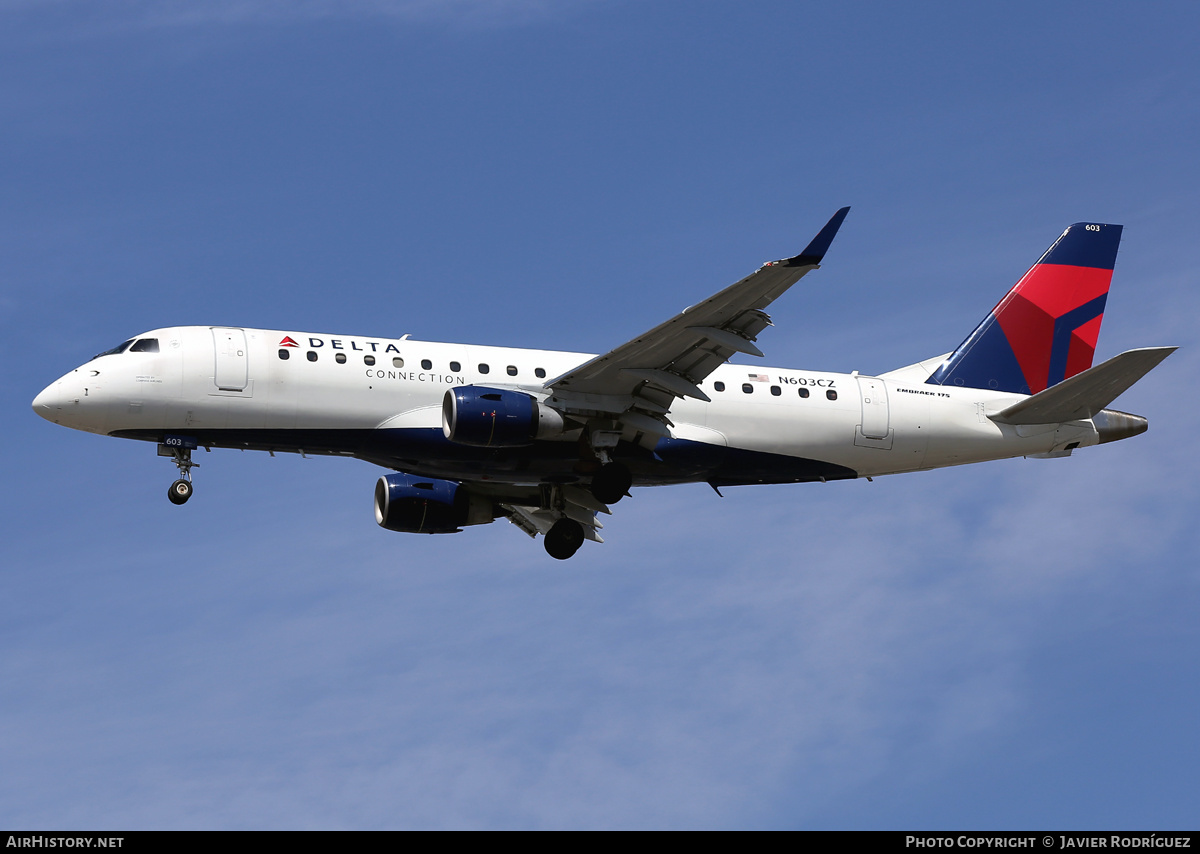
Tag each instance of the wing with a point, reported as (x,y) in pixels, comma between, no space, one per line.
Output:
(636,383)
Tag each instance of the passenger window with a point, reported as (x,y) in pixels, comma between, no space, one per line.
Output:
(831,394)
(312,355)
(397,362)
(340,358)
(719,386)
(483,368)
(748,388)
(145,345)
(284,353)
(804,392)
(426,364)
(512,370)
(540,373)
(776,390)
(370,360)
(455,366)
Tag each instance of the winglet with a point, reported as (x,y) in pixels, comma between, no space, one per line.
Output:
(815,251)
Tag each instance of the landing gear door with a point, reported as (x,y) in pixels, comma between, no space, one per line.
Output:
(875,430)
(231,372)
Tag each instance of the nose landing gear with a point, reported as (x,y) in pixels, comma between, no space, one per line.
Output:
(181,452)
(180,491)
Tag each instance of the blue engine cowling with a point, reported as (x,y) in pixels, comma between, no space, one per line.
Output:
(489,417)
(422,505)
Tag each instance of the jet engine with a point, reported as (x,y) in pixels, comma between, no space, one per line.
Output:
(421,505)
(496,418)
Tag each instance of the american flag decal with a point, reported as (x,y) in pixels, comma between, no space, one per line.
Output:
(759,378)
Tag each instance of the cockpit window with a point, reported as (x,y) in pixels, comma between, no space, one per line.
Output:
(145,345)
(120,348)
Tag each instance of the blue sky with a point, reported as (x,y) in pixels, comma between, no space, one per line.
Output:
(1005,645)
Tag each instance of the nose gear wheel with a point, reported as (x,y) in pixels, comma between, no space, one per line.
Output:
(181,490)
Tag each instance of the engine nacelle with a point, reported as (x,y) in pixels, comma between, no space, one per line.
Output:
(496,417)
(421,505)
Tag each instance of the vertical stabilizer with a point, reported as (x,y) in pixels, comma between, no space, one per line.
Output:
(1045,328)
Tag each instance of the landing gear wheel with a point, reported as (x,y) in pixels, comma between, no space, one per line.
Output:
(611,482)
(180,491)
(564,539)
(180,450)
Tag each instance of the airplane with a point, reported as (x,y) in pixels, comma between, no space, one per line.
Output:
(551,440)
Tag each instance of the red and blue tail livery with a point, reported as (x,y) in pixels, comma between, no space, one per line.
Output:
(1044,330)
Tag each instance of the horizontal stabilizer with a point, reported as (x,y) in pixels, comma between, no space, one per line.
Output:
(1085,394)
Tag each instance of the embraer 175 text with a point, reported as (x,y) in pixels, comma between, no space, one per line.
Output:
(550,440)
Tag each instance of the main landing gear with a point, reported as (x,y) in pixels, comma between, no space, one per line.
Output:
(612,480)
(181,490)
(611,483)
(564,538)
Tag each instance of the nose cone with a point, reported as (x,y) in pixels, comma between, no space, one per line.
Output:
(49,403)
(59,401)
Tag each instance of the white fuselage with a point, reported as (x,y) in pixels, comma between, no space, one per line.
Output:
(341,394)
